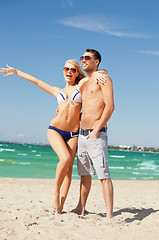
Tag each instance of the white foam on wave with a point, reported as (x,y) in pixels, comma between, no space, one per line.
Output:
(115,156)
(1,160)
(38,155)
(136,173)
(7,150)
(148,178)
(33,150)
(21,163)
(22,154)
(149,165)
(116,167)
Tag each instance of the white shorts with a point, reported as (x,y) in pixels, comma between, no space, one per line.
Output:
(92,155)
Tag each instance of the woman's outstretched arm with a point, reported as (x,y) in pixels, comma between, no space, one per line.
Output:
(44,86)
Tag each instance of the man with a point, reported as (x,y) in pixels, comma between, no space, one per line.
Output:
(97,108)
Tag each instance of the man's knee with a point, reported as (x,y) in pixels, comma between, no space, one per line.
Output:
(106,180)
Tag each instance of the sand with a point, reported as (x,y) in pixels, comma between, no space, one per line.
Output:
(26,213)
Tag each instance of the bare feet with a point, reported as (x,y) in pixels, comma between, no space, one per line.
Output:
(78,210)
(56,205)
(109,216)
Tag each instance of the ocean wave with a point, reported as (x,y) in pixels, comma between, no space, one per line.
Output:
(22,154)
(148,168)
(27,163)
(1,160)
(116,167)
(22,163)
(136,173)
(115,156)
(33,150)
(7,150)
(149,165)
(147,178)
(38,155)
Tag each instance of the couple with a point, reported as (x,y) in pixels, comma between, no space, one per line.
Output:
(94,94)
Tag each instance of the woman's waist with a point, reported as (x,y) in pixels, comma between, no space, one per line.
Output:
(71,125)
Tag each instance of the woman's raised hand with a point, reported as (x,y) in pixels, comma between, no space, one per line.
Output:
(8,71)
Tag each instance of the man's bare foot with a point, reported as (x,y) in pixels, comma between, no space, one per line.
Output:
(109,216)
(78,210)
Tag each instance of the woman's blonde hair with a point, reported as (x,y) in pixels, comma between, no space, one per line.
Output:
(81,73)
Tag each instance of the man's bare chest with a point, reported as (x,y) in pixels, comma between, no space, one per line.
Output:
(90,90)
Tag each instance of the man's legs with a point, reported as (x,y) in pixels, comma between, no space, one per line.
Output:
(107,188)
(85,186)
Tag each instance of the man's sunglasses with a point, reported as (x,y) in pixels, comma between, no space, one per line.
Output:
(85,57)
(66,69)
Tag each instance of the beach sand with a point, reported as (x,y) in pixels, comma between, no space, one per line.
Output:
(26,213)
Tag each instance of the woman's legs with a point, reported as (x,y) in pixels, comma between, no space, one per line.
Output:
(72,146)
(65,159)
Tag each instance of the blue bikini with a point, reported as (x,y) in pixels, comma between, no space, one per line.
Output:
(76,96)
(65,134)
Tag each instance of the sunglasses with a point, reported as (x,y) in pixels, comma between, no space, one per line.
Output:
(66,69)
(85,57)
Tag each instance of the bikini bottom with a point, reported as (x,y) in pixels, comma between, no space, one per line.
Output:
(65,134)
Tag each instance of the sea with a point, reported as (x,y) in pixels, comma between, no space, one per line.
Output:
(40,161)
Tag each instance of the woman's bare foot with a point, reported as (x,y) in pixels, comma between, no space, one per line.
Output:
(56,205)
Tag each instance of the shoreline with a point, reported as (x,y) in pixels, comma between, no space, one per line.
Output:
(77,179)
(26,203)
(109,147)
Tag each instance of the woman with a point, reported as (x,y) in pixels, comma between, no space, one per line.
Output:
(63,129)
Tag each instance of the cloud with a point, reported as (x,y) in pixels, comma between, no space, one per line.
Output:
(100,25)
(156,53)
(66,3)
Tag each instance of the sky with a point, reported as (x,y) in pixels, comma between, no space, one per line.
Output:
(37,37)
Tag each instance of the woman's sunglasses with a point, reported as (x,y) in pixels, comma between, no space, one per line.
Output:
(66,69)
(85,57)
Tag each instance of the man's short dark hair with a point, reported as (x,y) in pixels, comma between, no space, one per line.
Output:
(95,53)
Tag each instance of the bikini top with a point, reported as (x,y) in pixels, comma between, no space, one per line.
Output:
(76,96)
